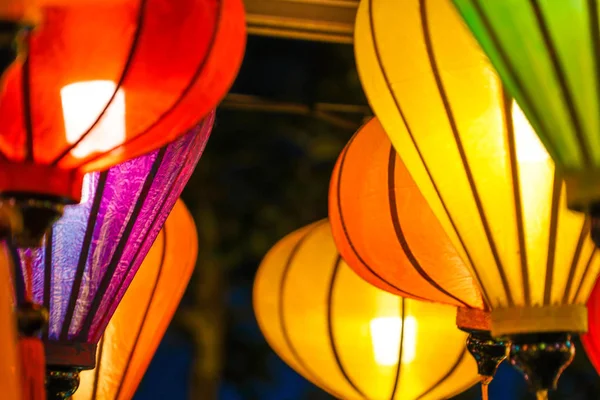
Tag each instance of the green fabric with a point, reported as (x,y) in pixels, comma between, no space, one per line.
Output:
(547,53)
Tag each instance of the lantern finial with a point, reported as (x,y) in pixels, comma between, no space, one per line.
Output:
(542,358)
(61,383)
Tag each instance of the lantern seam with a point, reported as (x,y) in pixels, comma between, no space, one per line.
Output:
(336,355)
(146,313)
(556,189)
(461,150)
(525,97)
(181,97)
(402,239)
(386,78)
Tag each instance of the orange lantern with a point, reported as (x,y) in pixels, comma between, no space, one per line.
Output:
(387,233)
(140,321)
(100,82)
(10,385)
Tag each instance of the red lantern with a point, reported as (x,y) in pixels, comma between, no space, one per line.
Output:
(103,82)
(591,340)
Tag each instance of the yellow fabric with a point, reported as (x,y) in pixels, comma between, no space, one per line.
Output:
(344,335)
(9,364)
(473,155)
(142,317)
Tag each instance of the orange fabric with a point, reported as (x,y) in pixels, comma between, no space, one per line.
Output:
(10,368)
(173,61)
(385,230)
(140,321)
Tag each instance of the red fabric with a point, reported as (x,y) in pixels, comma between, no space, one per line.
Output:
(174,61)
(33,369)
(591,340)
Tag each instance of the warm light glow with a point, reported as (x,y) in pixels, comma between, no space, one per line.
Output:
(529,147)
(82,102)
(385,337)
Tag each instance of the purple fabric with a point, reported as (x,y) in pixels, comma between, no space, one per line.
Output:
(98,245)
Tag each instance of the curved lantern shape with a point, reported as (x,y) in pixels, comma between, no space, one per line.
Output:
(386,231)
(479,164)
(546,53)
(104,82)
(9,363)
(350,338)
(484,173)
(91,255)
(143,315)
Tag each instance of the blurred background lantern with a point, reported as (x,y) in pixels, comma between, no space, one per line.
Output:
(546,52)
(144,313)
(101,83)
(386,232)
(350,338)
(484,173)
(591,340)
(10,373)
(91,254)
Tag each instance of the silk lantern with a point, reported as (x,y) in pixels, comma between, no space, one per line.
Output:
(10,372)
(546,52)
(143,315)
(486,176)
(104,82)
(91,254)
(591,340)
(386,232)
(348,337)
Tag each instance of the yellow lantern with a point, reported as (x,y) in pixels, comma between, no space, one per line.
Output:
(141,319)
(484,173)
(350,338)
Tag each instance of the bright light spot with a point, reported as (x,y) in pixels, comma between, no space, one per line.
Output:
(529,146)
(385,336)
(82,103)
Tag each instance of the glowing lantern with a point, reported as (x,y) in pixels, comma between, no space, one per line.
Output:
(485,175)
(591,340)
(387,233)
(92,254)
(10,372)
(142,317)
(350,338)
(547,55)
(102,82)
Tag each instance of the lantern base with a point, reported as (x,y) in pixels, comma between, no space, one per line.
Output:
(542,358)
(25,218)
(61,382)
(487,352)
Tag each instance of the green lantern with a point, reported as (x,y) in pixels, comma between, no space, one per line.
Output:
(547,52)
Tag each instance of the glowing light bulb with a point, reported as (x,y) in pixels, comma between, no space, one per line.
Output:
(385,337)
(528,145)
(82,103)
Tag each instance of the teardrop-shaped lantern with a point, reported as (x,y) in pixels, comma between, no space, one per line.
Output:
(546,53)
(143,315)
(102,82)
(93,252)
(386,232)
(350,338)
(484,173)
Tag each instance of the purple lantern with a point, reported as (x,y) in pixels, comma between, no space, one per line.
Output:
(92,253)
